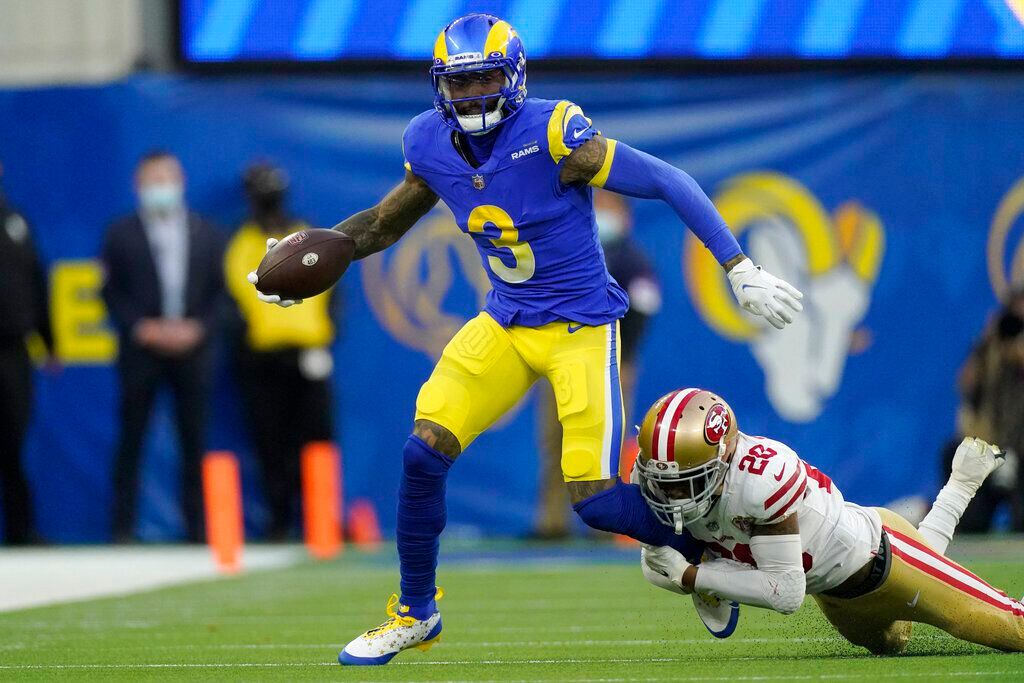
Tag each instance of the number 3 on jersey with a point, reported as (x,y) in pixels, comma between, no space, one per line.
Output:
(509,239)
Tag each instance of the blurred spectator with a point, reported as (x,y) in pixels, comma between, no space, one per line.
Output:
(164,288)
(632,269)
(991,386)
(282,357)
(24,308)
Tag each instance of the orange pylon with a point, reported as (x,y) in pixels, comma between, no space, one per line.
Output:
(321,499)
(222,494)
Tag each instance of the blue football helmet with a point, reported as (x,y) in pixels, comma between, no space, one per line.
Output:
(471,44)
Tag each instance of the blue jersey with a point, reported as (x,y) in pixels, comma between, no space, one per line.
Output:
(537,238)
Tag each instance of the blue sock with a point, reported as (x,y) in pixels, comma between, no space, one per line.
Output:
(421,518)
(623,510)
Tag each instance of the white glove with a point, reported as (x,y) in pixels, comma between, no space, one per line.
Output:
(763,294)
(270,298)
(664,566)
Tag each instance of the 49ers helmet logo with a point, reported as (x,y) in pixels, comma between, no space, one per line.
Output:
(716,424)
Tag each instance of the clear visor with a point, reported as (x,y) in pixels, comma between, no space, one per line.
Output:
(682,497)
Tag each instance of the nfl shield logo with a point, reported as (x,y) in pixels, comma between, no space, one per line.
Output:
(478,181)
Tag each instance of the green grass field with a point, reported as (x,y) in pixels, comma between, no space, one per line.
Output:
(506,618)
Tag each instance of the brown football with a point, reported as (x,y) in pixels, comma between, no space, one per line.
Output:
(305,263)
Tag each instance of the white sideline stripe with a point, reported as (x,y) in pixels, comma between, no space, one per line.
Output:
(953,572)
(34,577)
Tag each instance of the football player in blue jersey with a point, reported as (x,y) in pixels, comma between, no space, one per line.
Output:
(517,174)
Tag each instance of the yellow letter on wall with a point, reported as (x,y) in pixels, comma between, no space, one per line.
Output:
(79,315)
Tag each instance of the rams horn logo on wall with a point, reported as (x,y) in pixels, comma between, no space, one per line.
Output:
(716,424)
(1006,267)
(834,259)
(408,287)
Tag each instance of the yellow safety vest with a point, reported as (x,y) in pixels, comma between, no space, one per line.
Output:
(271,327)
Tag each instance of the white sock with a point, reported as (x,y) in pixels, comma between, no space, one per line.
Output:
(939,524)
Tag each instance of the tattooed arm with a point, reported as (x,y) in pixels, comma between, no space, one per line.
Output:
(377,228)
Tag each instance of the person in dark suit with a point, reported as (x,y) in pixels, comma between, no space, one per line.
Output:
(165,290)
(24,308)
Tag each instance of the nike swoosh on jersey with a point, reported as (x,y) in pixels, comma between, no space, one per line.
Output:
(577,133)
(913,603)
(779,478)
(575,328)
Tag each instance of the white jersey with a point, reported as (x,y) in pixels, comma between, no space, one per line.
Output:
(766,483)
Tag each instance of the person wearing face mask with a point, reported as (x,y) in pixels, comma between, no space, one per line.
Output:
(282,358)
(164,290)
(631,268)
(24,309)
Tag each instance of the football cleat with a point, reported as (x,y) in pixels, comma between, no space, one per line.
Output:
(398,632)
(974,461)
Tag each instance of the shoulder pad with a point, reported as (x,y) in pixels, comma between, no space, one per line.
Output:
(567,129)
(772,477)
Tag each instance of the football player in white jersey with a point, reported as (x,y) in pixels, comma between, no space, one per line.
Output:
(777,529)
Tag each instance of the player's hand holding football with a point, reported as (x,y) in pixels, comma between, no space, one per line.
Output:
(663,561)
(765,295)
(270,298)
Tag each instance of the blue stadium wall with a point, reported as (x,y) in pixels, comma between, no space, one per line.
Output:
(894,201)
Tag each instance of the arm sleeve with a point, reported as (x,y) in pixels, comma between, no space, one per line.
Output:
(778,583)
(636,174)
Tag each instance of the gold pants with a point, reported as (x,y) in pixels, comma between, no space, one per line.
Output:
(926,587)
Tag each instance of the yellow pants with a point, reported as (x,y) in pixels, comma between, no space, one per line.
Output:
(486,369)
(926,587)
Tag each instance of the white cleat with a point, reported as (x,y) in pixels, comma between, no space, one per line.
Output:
(973,461)
(399,632)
